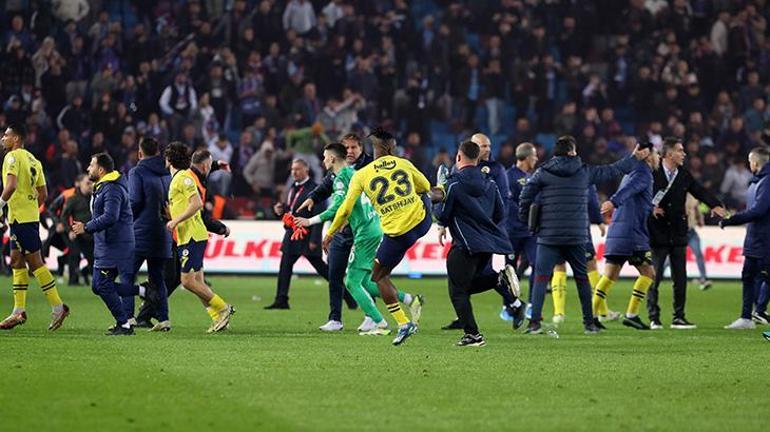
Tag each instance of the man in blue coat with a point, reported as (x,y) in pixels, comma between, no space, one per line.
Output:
(756,245)
(562,183)
(523,241)
(148,185)
(628,238)
(111,225)
(473,210)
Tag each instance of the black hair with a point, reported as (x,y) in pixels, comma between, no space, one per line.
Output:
(19,130)
(644,144)
(105,161)
(338,150)
(178,155)
(470,149)
(383,140)
(564,145)
(149,146)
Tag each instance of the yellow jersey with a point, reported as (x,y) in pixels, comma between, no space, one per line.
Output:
(182,188)
(393,185)
(23,206)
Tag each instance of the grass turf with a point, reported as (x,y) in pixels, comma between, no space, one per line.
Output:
(275,371)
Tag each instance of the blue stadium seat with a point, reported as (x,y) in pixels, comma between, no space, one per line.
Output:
(546,140)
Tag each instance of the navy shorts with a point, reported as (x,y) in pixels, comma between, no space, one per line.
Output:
(25,237)
(191,256)
(636,259)
(392,249)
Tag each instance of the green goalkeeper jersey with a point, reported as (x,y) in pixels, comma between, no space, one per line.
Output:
(363,219)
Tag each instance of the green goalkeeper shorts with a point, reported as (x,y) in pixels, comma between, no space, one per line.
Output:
(363,252)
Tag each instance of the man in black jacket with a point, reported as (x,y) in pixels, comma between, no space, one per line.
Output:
(563,231)
(294,247)
(202,164)
(473,209)
(339,251)
(78,208)
(668,228)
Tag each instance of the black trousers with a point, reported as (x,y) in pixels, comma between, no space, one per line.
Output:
(287,269)
(466,276)
(77,247)
(339,252)
(678,258)
(172,278)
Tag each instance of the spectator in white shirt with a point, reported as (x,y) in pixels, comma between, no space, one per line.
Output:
(299,16)
(736,183)
(221,150)
(719,33)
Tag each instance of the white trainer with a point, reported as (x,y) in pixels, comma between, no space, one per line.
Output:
(331,326)
(611,316)
(741,324)
(367,325)
(558,319)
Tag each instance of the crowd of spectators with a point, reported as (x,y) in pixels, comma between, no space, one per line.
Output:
(258,82)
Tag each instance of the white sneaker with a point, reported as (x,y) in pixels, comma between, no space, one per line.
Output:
(379,329)
(367,325)
(558,318)
(508,276)
(611,316)
(331,326)
(741,324)
(415,308)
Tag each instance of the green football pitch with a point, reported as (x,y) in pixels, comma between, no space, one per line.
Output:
(274,370)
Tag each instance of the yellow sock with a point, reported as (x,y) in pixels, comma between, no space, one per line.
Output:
(217,303)
(212,313)
(398,314)
(641,286)
(593,278)
(48,285)
(559,292)
(603,288)
(20,285)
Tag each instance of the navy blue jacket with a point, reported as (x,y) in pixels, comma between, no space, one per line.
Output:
(594,209)
(148,184)
(562,183)
(633,204)
(496,171)
(111,223)
(473,210)
(757,216)
(516,181)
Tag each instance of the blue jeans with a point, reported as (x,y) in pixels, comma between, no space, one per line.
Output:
(547,257)
(693,240)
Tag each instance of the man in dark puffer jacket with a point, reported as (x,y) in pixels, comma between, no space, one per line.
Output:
(562,183)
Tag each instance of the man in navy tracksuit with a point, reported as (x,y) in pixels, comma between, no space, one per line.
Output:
(473,210)
(522,240)
(756,245)
(562,183)
(148,184)
(339,250)
(628,238)
(111,225)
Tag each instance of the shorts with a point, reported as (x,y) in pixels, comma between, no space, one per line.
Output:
(636,259)
(363,252)
(25,237)
(590,252)
(392,249)
(191,256)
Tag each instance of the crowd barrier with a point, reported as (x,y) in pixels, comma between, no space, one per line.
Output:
(254,247)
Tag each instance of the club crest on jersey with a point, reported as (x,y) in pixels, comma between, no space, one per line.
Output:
(188,181)
(485,170)
(523,181)
(185,252)
(385,165)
